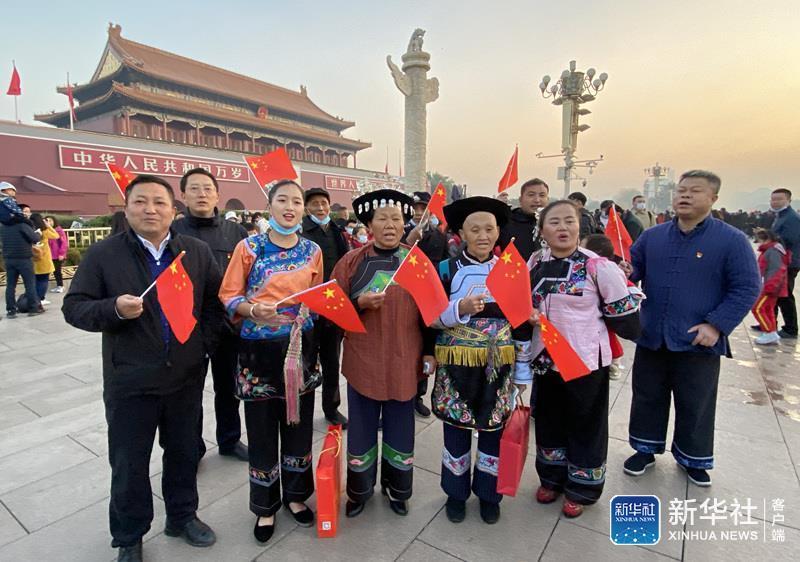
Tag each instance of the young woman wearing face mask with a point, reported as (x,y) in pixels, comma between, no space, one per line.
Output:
(579,292)
(360,237)
(276,377)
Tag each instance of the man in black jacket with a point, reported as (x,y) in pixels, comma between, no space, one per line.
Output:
(150,380)
(327,337)
(18,239)
(588,224)
(200,193)
(534,195)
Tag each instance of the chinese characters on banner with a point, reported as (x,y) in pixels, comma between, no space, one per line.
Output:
(95,159)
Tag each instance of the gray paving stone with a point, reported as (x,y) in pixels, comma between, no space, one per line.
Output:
(572,542)
(46,404)
(13,413)
(43,461)
(421,552)
(53,384)
(720,548)
(10,529)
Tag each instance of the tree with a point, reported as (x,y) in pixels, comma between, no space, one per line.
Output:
(435,178)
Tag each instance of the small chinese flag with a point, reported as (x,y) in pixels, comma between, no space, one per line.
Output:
(71,100)
(15,87)
(271,166)
(437,203)
(511,174)
(176,297)
(121,176)
(330,301)
(418,276)
(620,238)
(510,285)
(569,364)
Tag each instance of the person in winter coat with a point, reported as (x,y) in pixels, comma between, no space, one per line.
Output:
(523,226)
(773,263)
(58,252)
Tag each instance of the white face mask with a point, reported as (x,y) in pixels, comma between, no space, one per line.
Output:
(641,206)
(434,221)
(349,229)
(362,238)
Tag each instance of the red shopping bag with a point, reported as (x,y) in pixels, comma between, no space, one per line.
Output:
(329,479)
(513,450)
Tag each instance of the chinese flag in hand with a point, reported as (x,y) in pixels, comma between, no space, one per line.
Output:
(176,297)
(618,234)
(121,176)
(437,203)
(330,301)
(15,87)
(510,177)
(418,276)
(510,285)
(271,166)
(569,364)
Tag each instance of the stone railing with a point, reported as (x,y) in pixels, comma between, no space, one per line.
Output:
(83,237)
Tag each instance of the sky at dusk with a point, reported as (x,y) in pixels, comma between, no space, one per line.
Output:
(710,84)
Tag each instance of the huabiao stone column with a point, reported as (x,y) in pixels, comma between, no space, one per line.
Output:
(419,90)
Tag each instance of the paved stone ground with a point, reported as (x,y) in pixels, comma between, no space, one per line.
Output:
(54,477)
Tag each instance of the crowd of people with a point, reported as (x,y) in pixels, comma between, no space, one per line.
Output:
(689,281)
(34,247)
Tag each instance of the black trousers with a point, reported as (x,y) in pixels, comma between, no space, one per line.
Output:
(16,268)
(422,387)
(457,460)
(266,429)
(132,424)
(397,449)
(787,305)
(691,380)
(57,273)
(226,405)
(572,434)
(326,344)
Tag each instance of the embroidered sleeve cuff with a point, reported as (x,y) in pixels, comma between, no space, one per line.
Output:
(450,316)
(522,373)
(231,305)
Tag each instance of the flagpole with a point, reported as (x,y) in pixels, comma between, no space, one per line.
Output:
(16,112)
(398,268)
(304,291)
(71,119)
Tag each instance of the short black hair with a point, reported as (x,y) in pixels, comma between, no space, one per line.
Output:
(52,218)
(351,221)
(202,172)
(577,196)
(146,178)
(38,221)
(531,183)
(274,189)
(248,226)
(600,244)
(23,206)
(783,190)
(710,177)
(639,196)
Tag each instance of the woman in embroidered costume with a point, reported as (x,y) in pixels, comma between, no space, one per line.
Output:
(475,354)
(580,293)
(383,365)
(275,380)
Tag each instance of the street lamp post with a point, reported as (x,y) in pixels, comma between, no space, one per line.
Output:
(656,172)
(571,90)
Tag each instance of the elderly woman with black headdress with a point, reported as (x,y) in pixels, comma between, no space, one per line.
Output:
(475,354)
(382,365)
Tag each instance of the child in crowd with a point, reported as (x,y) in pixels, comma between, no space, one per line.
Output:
(773,262)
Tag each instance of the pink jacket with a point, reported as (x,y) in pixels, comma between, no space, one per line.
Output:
(60,245)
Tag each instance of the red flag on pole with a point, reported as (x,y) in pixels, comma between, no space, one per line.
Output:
(511,174)
(437,203)
(271,166)
(510,285)
(15,87)
(418,276)
(330,301)
(71,100)
(121,177)
(176,298)
(569,364)
(620,238)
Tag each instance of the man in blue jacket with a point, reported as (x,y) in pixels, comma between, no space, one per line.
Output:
(787,226)
(701,278)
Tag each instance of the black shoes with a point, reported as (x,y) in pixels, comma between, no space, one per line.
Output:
(11,314)
(336,418)
(263,533)
(353,509)
(456,510)
(238,451)
(697,476)
(304,518)
(421,408)
(130,553)
(637,464)
(787,335)
(490,512)
(400,507)
(40,310)
(756,328)
(195,533)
